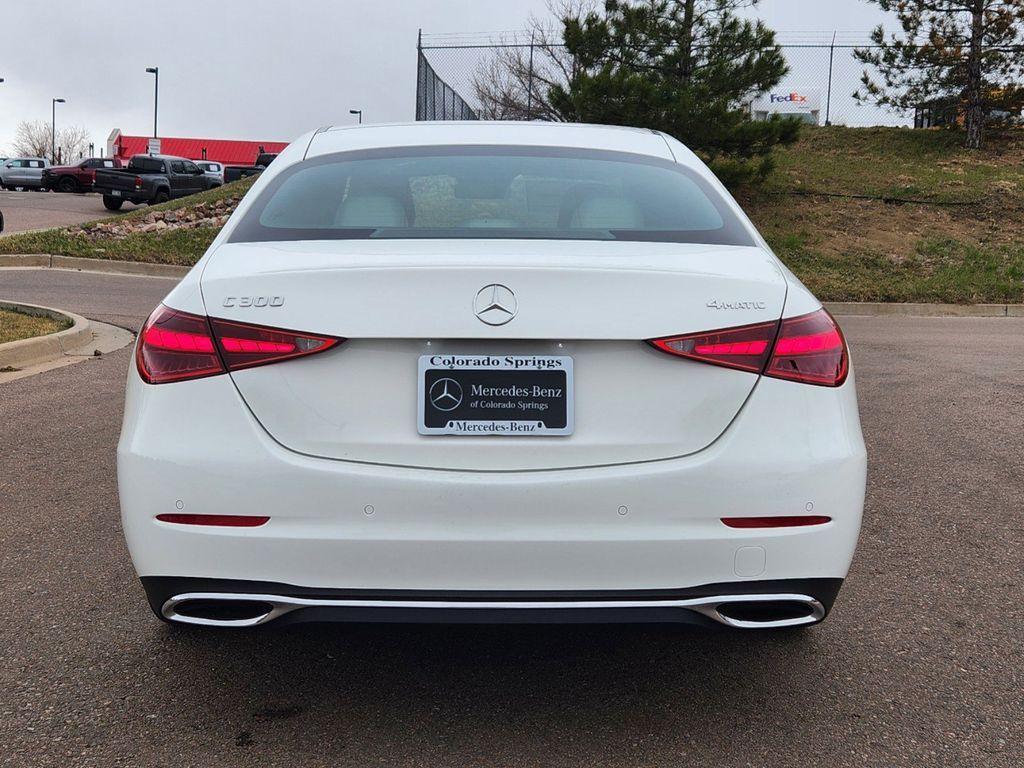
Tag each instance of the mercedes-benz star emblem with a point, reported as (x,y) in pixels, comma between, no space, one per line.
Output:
(446,394)
(495,304)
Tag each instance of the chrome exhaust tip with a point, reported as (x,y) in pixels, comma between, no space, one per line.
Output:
(213,609)
(763,611)
(222,609)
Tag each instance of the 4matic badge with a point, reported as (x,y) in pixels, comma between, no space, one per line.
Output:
(717,304)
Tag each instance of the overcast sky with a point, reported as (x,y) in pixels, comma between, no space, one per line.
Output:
(259,69)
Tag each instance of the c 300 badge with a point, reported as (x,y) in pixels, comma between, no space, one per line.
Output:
(253,301)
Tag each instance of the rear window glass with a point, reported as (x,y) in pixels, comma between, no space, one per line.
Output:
(490,192)
(147,165)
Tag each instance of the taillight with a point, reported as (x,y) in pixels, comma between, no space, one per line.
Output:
(243,346)
(138,182)
(809,349)
(745,347)
(778,521)
(231,521)
(174,346)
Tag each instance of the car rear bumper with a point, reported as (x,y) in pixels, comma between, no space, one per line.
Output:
(132,196)
(341,527)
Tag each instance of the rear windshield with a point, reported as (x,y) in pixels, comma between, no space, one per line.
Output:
(146,164)
(490,192)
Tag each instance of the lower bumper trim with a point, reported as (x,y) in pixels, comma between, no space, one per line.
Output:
(271,607)
(742,605)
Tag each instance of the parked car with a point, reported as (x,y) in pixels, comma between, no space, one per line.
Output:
(491,372)
(212,169)
(77,178)
(151,179)
(24,172)
(236,172)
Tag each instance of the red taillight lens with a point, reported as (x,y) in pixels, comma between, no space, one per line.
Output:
(175,346)
(231,521)
(138,182)
(745,347)
(783,521)
(809,349)
(244,346)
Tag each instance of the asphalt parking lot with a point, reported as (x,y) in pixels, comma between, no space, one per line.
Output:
(919,664)
(41,210)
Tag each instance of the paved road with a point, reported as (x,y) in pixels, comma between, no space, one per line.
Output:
(919,665)
(41,210)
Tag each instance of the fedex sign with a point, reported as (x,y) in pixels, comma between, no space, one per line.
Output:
(793,97)
(805,101)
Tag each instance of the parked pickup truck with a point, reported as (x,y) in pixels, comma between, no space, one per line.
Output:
(77,178)
(236,172)
(151,179)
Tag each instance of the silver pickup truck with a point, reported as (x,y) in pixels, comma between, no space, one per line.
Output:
(24,172)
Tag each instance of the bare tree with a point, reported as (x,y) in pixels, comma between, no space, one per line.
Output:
(72,143)
(513,84)
(32,139)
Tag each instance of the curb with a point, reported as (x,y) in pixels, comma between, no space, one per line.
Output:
(108,266)
(41,349)
(895,309)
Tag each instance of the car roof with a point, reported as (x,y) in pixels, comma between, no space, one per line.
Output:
(476,132)
(160,157)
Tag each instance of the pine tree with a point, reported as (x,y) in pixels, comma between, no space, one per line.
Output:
(685,67)
(969,53)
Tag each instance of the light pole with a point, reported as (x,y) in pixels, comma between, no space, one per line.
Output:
(357,112)
(53,130)
(155,71)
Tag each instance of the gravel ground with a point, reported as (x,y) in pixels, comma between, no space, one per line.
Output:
(919,664)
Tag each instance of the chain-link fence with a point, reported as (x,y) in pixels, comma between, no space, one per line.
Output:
(435,99)
(505,76)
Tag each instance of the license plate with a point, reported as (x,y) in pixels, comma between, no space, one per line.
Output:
(511,395)
(115,193)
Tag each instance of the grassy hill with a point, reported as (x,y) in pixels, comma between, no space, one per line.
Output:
(870,214)
(890,214)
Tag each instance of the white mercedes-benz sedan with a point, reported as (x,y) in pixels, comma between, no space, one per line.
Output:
(516,372)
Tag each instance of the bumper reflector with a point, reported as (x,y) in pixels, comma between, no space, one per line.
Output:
(786,521)
(232,521)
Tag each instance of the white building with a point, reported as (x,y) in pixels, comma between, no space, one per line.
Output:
(804,103)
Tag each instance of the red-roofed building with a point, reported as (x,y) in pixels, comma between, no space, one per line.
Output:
(224,151)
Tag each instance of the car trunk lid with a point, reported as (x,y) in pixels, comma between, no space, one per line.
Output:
(396,301)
